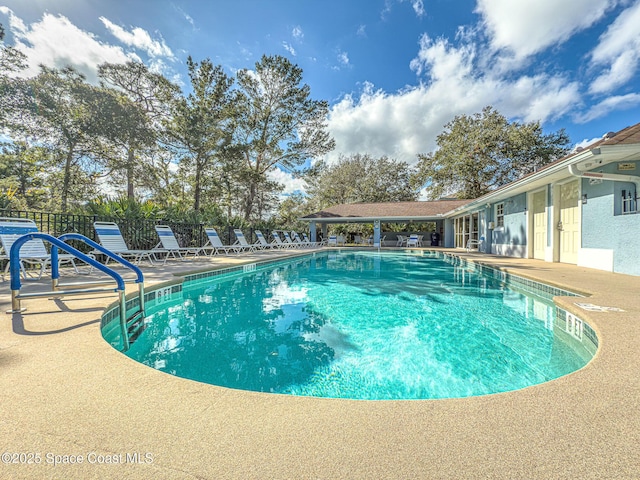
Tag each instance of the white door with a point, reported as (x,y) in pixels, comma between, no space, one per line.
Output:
(539,212)
(570,219)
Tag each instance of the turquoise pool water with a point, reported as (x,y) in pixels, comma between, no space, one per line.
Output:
(359,325)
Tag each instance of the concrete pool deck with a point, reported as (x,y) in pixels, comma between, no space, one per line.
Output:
(67,396)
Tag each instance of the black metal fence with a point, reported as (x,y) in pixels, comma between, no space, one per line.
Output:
(139,234)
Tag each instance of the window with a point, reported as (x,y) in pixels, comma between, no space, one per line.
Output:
(629,202)
(500,215)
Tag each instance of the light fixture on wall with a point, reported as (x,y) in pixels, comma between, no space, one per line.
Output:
(584,199)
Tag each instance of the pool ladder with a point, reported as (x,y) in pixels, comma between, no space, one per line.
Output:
(130,326)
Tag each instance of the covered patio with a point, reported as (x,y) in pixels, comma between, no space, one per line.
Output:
(388,212)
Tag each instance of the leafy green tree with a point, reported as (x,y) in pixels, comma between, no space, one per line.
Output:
(199,129)
(361,178)
(140,103)
(23,174)
(276,123)
(481,152)
(13,91)
(66,117)
(291,209)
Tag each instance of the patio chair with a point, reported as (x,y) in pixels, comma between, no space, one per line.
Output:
(472,242)
(33,252)
(111,238)
(413,240)
(382,240)
(170,244)
(305,237)
(279,242)
(333,241)
(215,245)
(262,242)
(241,242)
(288,241)
(298,241)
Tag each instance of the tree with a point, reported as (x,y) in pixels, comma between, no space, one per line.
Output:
(22,174)
(479,153)
(276,123)
(66,116)
(141,101)
(361,178)
(13,91)
(291,209)
(199,129)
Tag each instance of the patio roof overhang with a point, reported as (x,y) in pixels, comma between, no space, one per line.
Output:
(391,212)
(400,219)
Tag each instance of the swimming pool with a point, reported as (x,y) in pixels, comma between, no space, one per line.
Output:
(360,325)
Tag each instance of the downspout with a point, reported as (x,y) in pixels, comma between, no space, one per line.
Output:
(576,172)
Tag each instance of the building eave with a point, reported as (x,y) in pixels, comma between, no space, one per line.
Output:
(591,158)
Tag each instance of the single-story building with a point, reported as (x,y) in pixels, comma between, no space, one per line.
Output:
(581,209)
(381,213)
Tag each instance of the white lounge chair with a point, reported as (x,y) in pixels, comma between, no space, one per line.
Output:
(333,241)
(262,242)
(305,237)
(111,238)
(170,244)
(278,241)
(32,252)
(298,241)
(241,242)
(215,245)
(289,241)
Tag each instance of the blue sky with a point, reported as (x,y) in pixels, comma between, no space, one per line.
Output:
(393,71)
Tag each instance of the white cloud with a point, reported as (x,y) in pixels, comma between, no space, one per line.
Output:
(619,72)
(418,7)
(55,42)
(186,16)
(525,27)
(291,184)
(362,31)
(405,123)
(297,33)
(289,48)
(585,142)
(343,58)
(139,38)
(619,102)
(618,51)
(539,98)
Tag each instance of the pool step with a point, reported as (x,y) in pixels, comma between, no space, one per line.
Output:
(135,326)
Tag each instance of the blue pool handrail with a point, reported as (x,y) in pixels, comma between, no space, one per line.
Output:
(76,236)
(14,259)
(127,325)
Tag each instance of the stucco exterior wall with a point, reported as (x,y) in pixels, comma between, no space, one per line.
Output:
(511,239)
(609,239)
